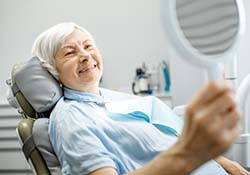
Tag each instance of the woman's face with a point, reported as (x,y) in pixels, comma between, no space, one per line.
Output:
(79,62)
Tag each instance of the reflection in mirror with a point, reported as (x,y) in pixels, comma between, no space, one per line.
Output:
(205,33)
(210,26)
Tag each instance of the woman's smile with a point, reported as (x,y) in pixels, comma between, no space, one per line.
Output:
(88,68)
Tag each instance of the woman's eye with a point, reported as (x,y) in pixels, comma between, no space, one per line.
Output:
(88,46)
(69,53)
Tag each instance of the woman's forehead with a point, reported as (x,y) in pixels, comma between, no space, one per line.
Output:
(76,36)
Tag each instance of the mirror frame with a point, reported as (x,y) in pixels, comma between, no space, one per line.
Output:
(175,35)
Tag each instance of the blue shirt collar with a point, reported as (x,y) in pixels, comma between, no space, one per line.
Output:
(79,96)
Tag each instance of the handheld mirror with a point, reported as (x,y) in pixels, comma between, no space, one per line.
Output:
(207,33)
(204,32)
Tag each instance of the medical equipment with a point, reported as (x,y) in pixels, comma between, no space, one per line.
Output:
(207,33)
(165,70)
(141,82)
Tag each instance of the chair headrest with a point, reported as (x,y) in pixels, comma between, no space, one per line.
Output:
(35,88)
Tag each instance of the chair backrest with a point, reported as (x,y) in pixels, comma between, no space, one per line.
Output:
(36,93)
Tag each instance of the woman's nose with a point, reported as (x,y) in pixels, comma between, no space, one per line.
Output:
(84,56)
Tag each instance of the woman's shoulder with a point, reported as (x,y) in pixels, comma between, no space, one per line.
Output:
(62,106)
(62,110)
(71,111)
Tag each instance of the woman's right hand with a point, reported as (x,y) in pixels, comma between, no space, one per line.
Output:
(211,123)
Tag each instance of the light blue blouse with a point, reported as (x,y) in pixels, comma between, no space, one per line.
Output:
(113,129)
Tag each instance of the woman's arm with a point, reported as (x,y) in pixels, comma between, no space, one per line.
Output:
(173,161)
(232,167)
(211,126)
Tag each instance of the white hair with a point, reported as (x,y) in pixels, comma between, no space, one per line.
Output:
(48,42)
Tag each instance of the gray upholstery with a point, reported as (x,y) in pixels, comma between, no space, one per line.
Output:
(43,92)
(41,139)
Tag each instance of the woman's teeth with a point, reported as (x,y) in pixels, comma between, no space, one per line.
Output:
(87,68)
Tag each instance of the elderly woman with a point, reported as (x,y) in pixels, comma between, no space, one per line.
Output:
(98,131)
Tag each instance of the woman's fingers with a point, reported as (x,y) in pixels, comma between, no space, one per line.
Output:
(228,136)
(207,95)
(212,120)
(215,107)
(221,104)
(231,118)
(223,109)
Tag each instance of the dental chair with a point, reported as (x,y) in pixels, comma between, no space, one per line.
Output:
(34,92)
(35,101)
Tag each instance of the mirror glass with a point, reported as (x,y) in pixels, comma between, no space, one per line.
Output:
(210,26)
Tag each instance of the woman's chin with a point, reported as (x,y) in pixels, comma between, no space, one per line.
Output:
(90,78)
